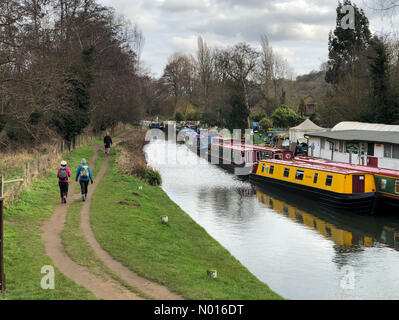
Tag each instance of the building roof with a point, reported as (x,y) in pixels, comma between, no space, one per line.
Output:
(307,125)
(353,125)
(312,166)
(359,135)
(380,171)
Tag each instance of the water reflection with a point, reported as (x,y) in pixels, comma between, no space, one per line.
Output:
(345,230)
(300,250)
(342,238)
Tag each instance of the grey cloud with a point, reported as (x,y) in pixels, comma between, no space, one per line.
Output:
(277,27)
(183,5)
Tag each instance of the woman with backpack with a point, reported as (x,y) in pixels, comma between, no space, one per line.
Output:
(63,174)
(84,175)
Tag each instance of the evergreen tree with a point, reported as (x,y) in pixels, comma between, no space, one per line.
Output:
(379,70)
(76,114)
(283,97)
(345,46)
(239,111)
(302,107)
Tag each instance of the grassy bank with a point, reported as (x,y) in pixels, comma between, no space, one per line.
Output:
(23,248)
(127,223)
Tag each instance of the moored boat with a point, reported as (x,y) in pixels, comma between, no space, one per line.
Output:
(338,188)
(387,180)
(241,158)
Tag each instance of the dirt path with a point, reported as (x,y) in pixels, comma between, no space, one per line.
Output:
(106,288)
(150,288)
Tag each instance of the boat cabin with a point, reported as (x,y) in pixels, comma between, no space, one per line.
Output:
(387,180)
(250,154)
(338,180)
(338,188)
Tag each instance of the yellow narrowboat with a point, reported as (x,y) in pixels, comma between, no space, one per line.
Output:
(338,188)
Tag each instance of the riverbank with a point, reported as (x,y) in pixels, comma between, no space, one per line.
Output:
(177,254)
(125,215)
(24,252)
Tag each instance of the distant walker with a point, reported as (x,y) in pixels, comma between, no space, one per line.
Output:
(107,143)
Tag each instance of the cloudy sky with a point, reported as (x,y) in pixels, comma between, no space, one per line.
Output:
(297,29)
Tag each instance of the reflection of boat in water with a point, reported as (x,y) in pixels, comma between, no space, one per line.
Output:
(345,230)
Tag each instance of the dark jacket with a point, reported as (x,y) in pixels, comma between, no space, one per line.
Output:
(107,141)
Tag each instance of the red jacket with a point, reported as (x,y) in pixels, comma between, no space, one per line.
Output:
(68,173)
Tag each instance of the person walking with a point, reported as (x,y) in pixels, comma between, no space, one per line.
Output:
(63,175)
(83,173)
(107,143)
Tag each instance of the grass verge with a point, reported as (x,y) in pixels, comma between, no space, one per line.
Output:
(23,248)
(127,223)
(76,245)
(78,249)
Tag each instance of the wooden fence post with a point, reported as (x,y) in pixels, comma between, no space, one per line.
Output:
(2,275)
(1,186)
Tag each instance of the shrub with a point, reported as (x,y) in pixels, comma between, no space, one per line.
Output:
(266,123)
(285,117)
(152,177)
(179,116)
(258,115)
(131,160)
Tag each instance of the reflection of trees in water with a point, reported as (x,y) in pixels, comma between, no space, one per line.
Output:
(234,204)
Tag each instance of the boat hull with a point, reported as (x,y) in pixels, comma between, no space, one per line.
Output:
(387,202)
(363,203)
(242,170)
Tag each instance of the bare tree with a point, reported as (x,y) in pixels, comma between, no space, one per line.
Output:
(205,69)
(241,64)
(180,75)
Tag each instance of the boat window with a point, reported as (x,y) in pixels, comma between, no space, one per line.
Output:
(271,169)
(267,168)
(316,177)
(278,156)
(397,186)
(329,180)
(266,155)
(258,156)
(395,151)
(387,150)
(299,175)
(263,167)
(286,172)
(383,184)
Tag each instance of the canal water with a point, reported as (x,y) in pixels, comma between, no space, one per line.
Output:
(300,250)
